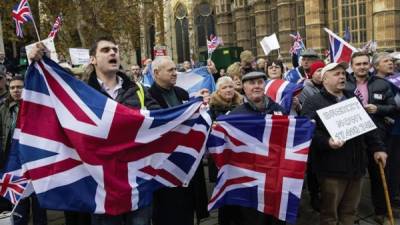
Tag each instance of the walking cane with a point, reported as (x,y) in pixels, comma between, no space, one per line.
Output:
(385,190)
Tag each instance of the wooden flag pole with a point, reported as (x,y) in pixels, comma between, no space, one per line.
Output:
(385,190)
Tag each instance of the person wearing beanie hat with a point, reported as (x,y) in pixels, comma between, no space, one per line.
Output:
(314,82)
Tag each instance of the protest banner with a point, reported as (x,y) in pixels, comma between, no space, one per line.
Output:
(49,43)
(346,120)
(79,56)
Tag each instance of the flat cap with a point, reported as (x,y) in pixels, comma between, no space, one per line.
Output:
(253,75)
(309,52)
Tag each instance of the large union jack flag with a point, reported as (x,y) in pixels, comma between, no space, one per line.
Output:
(21,14)
(261,162)
(85,152)
(282,92)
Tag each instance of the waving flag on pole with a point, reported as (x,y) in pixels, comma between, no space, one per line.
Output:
(85,152)
(213,43)
(282,92)
(340,50)
(298,44)
(347,34)
(21,14)
(261,162)
(56,27)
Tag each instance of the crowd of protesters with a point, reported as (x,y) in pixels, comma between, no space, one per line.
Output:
(334,170)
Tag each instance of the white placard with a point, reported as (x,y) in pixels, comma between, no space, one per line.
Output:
(346,120)
(270,43)
(49,43)
(79,56)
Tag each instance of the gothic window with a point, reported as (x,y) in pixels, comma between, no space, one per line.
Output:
(182,33)
(204,24)
(354,17)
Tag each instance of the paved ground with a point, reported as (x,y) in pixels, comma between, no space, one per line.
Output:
(306,215)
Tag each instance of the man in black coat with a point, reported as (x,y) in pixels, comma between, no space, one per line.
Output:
(256,103)
(378,100)
(176,206)
(339,165)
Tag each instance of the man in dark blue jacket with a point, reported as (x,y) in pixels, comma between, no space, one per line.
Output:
(377,98)
(339,165)
(256,103)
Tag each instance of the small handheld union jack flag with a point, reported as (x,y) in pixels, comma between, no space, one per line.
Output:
(298,44)
(56,27)
(213,43)
(21,14)
(12,187)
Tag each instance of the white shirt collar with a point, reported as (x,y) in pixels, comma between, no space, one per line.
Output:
(114,91)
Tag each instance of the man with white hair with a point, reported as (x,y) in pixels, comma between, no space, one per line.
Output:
(176,205)
(339,165)
(383,64)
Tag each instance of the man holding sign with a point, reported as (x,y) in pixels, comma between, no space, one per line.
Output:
(338,164)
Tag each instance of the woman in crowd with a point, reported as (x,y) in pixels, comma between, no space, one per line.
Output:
(222,102)
(234,72)
(274,69)
(225,98)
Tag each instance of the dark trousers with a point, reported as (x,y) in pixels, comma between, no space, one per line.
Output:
(138,217)
(339,200)
(377,194)
(23,209)
(393,166)
(76,218)
(5,205)
(173,206)
(238,215)
(312,181)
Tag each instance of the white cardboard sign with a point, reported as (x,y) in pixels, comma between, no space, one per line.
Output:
(79,56)
(346,120)
(49,43)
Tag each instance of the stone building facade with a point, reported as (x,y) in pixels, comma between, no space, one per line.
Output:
(243,23)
